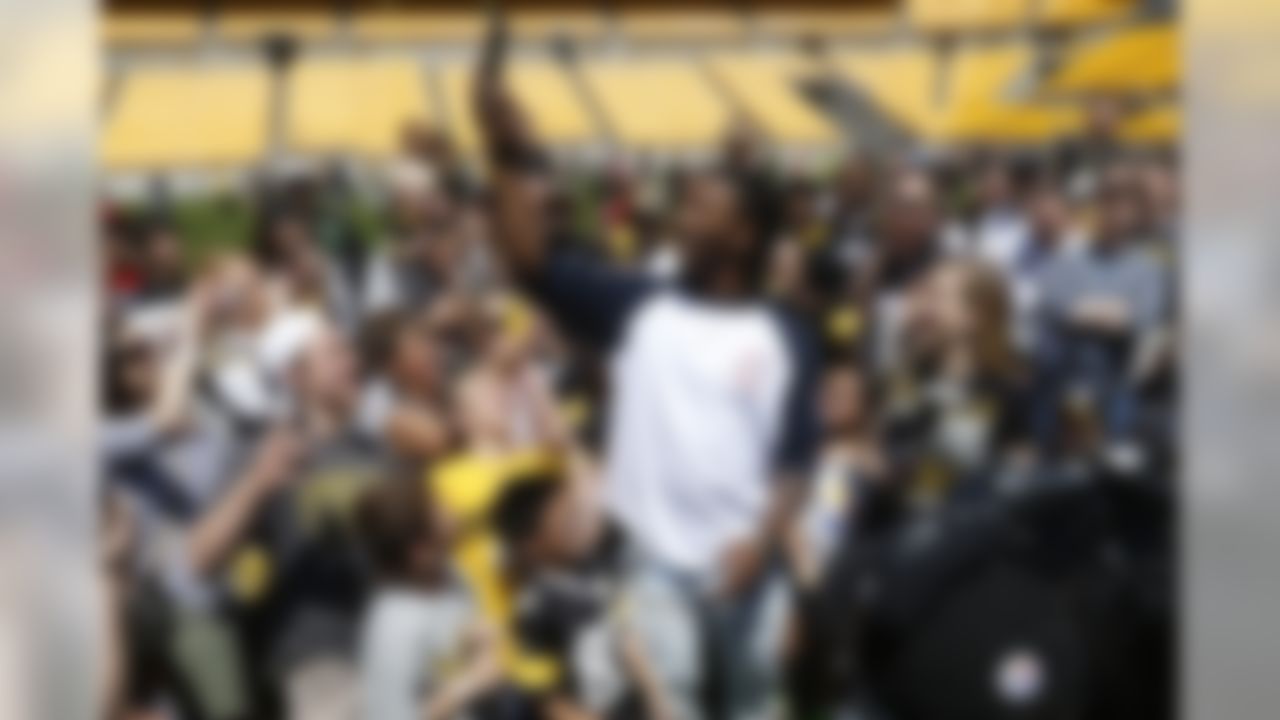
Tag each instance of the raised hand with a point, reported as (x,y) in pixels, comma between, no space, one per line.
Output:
(519,194)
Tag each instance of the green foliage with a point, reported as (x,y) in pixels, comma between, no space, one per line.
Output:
(212,224)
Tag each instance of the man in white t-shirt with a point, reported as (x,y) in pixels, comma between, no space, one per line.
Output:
(711,421)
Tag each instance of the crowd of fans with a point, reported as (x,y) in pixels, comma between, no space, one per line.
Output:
(349,476)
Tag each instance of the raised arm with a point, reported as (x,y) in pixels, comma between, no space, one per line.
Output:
(518,209)
(216,532)
(588,300)
(172,405)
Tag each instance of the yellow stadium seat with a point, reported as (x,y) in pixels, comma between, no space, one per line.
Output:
(966,15)
(680,24)
(354,106)
(979,77)
(400,25)
(657,104)
(214,117)
(245,25)
(1158,125)
(150,28)
(902,80)
(969,99)
(801,21)
(1145,59)
(553,104)
(1074,13)
(980,105)
(765,87)
(982,72)
(1012,124)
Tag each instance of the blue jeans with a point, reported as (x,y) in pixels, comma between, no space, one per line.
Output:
(715,657)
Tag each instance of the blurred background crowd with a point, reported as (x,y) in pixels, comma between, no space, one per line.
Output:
(343,456)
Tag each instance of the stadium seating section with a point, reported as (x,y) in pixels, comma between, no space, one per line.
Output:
(461,25)
(216,117)
(664,76)
(765,87)
(1158,125)
(967,15)
(649,25)
(153,28)
(786,20)
(1077,13)
(250,25)
(555,107)
(659,104)
(544,23)
(1143,59)
(980,104)
(397,25)
(354,106)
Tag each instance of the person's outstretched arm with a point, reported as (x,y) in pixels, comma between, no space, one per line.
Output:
(217,531)
(518,202)
(588,300)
